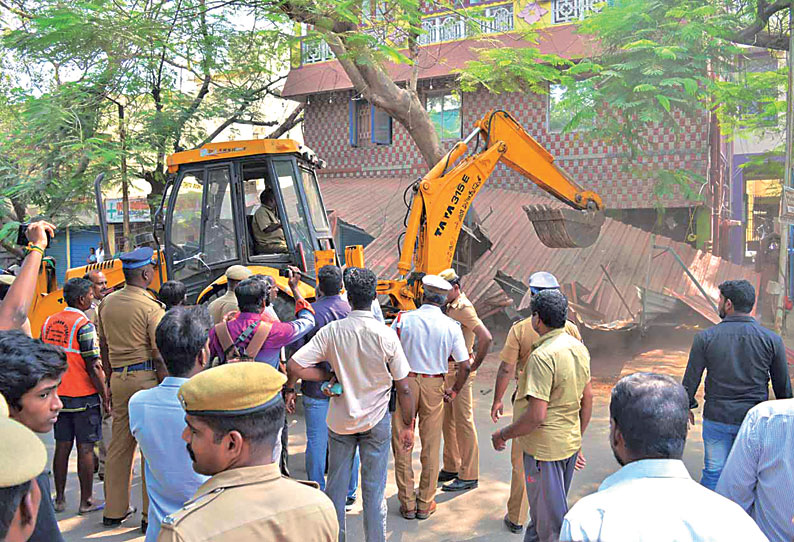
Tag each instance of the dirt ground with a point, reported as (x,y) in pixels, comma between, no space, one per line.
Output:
(475,515)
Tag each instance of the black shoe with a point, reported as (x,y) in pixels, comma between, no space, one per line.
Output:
(144,526)
(115,522)
(444,476)
(514,528)
(460,485)
(349,503)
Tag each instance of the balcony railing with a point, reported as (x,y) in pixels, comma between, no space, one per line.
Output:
(491,20)
(568,11)
(455,27)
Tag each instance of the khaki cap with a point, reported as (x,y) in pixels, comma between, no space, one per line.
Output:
(22,453)
(238,272)
(3,407)
(449,274)
(232,389)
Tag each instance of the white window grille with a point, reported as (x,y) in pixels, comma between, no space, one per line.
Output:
(498,19)
(568,11)
(315,50)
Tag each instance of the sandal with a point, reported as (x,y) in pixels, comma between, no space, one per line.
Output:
(95,506)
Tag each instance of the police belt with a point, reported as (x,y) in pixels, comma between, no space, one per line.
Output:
(147,365)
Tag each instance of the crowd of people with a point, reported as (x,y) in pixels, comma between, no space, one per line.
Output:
(204,392)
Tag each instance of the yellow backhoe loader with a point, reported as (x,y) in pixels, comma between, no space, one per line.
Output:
(207,215)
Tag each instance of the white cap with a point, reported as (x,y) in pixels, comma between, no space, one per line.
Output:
(434,282)
(542,279)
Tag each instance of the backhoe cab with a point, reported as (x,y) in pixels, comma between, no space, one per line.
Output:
(255,203)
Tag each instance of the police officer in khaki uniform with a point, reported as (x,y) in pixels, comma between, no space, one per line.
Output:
(127,320)
(23,457)
(515,353)
(234,413)
(461,449)
(228,302)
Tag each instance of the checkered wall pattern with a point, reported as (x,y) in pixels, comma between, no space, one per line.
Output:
(594,165)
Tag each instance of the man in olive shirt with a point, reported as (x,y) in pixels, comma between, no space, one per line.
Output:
(553,406)
(233,414)
(515,353)
(266,226)
(127,322)
(228,302)
(461,449)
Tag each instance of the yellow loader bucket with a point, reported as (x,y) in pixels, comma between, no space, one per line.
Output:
(565,227)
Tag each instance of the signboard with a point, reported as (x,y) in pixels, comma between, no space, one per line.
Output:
(139,210)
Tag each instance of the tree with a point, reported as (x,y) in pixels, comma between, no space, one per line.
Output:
(134,81)
(658,63)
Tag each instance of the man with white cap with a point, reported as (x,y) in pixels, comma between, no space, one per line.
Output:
(515,353)
(429,338)
(461,448)
(228,302)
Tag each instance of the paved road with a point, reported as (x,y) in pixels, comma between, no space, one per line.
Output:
(472,516)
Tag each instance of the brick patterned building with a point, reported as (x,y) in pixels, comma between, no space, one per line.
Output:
(343,130)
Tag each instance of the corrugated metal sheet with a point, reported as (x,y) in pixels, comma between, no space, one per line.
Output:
(376,206)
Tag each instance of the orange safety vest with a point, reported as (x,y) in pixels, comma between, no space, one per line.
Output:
(61,330)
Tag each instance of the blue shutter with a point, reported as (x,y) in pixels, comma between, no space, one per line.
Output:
(353,122)
(381,126)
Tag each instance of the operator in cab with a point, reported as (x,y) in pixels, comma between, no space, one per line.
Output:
(267,229)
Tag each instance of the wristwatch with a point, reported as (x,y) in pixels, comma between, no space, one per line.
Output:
(289,390)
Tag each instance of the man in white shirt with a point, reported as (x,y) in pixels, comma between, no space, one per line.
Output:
(759,473)
(429,338)
(652,497)
(367,360)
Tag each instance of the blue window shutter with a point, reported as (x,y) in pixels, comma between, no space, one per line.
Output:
(372,128)
(353,122)
(381,124)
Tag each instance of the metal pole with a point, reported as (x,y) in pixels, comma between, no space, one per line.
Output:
(787,178)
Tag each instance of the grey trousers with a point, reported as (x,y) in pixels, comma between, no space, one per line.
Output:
(547,491)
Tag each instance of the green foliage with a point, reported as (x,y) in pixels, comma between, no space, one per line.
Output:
(178,69)
(660,63)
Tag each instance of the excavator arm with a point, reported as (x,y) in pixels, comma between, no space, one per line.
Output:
(443,197)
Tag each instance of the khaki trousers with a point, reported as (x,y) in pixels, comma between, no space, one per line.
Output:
(517,504)
(102,445)
(461,448)
(428,396)
(121,451)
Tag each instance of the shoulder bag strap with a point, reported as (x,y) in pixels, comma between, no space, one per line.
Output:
(259,338)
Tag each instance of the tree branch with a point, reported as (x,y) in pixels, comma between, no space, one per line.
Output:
(289,123)
(754,34)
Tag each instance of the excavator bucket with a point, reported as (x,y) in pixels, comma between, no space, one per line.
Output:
(564,227)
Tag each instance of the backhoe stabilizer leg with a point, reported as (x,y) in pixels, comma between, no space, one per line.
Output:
(564,227)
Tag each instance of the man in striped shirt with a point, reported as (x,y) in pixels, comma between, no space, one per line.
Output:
(759,473)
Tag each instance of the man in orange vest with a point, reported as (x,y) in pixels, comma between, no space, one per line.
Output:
(81,390)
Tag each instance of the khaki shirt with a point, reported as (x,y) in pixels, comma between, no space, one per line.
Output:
(253,504)
(127,320)
(520,340)
(91,312)
(557,372)
(264,217)
(222,306)
(462,310)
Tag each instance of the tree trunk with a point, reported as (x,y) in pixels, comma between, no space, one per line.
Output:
(125,191)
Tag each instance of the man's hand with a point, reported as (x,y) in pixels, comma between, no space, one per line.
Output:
(498,442)
(691,421)
(37,233)
(289,401)
(581,461)
(449,395)
(295,277)
(407,438)
(106,404)
(497,409)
